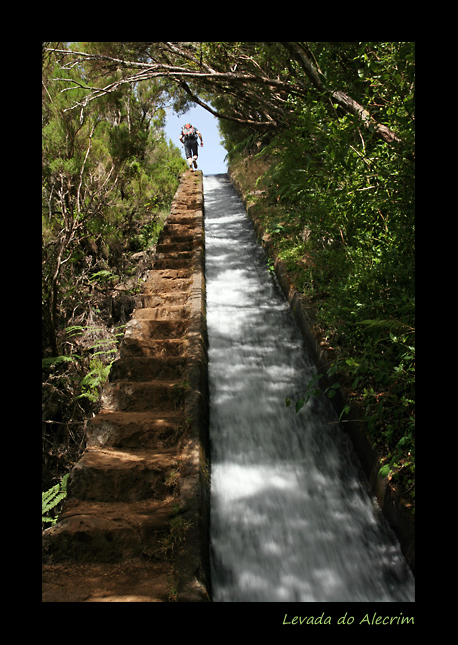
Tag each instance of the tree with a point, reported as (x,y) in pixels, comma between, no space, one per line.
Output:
(102,166)
(259,79)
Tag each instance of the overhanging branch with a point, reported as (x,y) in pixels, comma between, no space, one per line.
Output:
(219,115)
(341,98)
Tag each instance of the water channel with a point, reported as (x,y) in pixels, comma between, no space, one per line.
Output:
(291,515)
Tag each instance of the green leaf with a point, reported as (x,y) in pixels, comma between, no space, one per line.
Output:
(300,404)
(384,471)
(50,498)
(332,390)
(402,441)
(55,360)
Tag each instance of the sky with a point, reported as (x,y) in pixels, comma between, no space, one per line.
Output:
(211,156)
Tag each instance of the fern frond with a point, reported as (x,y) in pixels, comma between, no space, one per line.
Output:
(50,498)
(392,325)
(47,496)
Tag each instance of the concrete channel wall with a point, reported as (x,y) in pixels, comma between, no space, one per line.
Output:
(193,562)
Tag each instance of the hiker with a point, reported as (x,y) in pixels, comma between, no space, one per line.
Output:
(189,136)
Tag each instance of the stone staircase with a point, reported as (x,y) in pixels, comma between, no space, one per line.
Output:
(133,528)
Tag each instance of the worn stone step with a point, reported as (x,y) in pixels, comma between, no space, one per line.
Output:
(130,396)
(107,532)
(188,200)
(159,284)
(134,581)
(179,228)
(127,475)
(167,238)
(156,329)
(172,274)
(150,301)
(173,263)
(136,346)
(177,218)
(170,312)
(179,215)
(147,369)
(148,430)
(174,248)
(173,254)
(178,235)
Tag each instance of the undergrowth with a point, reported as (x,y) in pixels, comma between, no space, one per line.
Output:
(51,501)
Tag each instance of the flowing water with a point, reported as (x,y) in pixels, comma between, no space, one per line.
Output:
(291,516)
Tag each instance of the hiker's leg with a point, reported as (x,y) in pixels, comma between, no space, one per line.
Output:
(188,153)
(195,153)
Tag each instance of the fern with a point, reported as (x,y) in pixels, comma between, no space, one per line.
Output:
(390,325)
(52,497)
(91,383)
(56,360)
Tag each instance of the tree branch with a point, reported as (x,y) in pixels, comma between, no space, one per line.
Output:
(154,70)
(207,77)
(197,100)
(342,99)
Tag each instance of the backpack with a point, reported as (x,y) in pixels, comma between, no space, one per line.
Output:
(189,133)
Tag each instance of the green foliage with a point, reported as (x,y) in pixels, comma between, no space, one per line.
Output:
(104,167)
(56,360)
(339,205)
(101,349)
(178,530)
(313,389)
(51,498)
(94,379)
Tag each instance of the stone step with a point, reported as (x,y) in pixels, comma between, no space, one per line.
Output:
(142,347)
(107,532)
(156,329)
(170,312)
(187,201)
(173,253)
(127,396)
(180,233)
(150,301)
(178,217)
(128,475)
(147,430)
(148,369)
(134,581)
(178,230)
(158,284)
(173,263)
(167,238)
(172,274)
(174,248)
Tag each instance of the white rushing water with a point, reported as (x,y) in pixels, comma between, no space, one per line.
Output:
(291,518)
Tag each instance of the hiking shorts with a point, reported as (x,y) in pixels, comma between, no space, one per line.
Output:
(190,148)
